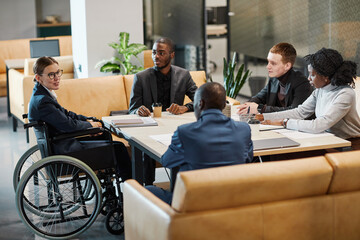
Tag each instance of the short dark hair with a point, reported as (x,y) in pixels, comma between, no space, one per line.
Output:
(168,42)
(286,50)
(213,94)
(329,63)
(42,63)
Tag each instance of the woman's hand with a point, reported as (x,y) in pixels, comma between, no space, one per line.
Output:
(273,122)
(95,124)
(259,117)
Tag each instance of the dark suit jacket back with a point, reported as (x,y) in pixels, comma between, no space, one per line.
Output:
(213,140)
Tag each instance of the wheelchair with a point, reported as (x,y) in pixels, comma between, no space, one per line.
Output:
(60,196)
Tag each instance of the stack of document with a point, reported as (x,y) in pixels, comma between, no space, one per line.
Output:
(134,121)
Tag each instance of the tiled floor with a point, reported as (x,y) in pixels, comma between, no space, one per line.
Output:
(12,146)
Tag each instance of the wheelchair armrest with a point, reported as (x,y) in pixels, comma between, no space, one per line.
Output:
(81,133)
(33,124)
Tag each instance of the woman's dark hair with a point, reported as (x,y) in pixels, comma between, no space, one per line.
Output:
(42,63)
(329,63)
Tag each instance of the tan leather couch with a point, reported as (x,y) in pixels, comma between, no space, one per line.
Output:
(313,198)
(20,49)
(98,96)
(21,84)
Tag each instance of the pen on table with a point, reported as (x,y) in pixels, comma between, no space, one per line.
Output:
(270,129)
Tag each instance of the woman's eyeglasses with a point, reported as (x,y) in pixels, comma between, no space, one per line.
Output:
(52,75)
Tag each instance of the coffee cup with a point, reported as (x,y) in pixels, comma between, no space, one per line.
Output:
(157,109)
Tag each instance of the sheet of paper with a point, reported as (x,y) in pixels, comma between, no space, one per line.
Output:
(163,138)
(299,135)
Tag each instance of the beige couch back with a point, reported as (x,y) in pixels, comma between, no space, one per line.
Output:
(65,63)
(314,198)
(93,96)
(241,185)
(99,96)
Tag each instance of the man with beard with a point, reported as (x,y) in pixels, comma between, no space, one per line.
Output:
(165,84)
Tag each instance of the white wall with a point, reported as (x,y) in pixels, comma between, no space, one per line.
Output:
(17,19)
(78,33)
(97,23)
(59,8)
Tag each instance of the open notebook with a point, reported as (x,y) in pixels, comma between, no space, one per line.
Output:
(134,121)
(271,143)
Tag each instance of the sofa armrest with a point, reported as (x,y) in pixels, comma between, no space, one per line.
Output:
(232,101)
(16,95)
(145,215)
(66,63)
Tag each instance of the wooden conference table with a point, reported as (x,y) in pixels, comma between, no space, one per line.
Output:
(141,141)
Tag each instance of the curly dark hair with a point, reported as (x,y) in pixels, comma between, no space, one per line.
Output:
(329,63)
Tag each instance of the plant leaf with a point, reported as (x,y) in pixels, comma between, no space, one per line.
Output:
(136,48)
(109,67)
(124,39)
(122,60)
(232,83)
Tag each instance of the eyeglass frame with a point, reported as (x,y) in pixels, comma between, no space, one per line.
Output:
(59,73)
(161,52)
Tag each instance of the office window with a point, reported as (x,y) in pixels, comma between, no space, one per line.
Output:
(309,25)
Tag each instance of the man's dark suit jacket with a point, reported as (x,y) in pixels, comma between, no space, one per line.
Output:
(297,88)
(213,140)
(144,89)
(43,107)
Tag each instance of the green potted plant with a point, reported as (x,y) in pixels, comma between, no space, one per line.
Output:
(121,63)
(232,83)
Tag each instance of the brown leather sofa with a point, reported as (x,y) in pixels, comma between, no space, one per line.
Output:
(313,198)
(20,49)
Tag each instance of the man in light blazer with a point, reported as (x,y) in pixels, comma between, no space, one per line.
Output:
(165,84)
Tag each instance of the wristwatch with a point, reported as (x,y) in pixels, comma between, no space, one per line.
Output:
(285,122)
(260,108)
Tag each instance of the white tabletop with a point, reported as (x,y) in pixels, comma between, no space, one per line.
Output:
(168,123)
(15,63)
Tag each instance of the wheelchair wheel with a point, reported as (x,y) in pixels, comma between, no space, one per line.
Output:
(115,221)
(30,157)
(58,197)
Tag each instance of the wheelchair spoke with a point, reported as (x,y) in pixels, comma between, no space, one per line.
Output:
(54,198)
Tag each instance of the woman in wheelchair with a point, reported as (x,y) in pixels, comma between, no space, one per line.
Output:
(44,107)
